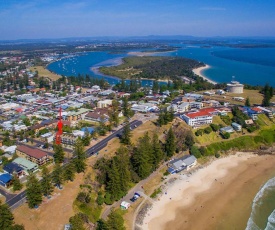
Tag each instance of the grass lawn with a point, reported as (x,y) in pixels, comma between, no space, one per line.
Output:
(42,72)
(254,96)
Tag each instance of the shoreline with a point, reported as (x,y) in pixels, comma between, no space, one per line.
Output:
(198,71)
(224,187)
(143,54)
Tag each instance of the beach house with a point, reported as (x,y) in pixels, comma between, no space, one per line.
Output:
(185,162)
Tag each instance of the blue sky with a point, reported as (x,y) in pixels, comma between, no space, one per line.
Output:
(87,18)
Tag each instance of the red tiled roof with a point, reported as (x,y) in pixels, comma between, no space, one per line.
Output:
(256,109)
(36,153)
(201,113)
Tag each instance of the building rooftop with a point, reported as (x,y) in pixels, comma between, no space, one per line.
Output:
(36,153)
(26,164)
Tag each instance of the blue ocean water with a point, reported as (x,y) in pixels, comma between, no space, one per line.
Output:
(249,66)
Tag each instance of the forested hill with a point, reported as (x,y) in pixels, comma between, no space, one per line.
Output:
(153,67)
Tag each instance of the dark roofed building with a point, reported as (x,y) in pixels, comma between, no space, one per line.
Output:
(13,168)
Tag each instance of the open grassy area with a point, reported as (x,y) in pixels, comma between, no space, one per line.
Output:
(53,213)
(254,96)
(42,72)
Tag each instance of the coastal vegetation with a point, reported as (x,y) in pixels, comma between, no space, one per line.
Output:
(153,67)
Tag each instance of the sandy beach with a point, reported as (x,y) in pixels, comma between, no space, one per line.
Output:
(218,196)
(199,70)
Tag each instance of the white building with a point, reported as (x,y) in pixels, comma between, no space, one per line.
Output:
(104,103)
(201,117)
(235,87)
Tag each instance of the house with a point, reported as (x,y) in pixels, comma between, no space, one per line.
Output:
(13,168)
(249,122)
(185,162)
(104,103)
(5,180)
(236,126)
(32,154)
(99,114)
(79,115)
(27,165)
(124,205)
(195,104)
(227,129)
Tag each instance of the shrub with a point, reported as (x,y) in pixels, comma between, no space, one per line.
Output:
(207,130)
(226,135)
(214,127)
(195,151)
(199,132)
(217,155)
(107,199)
(100,199)
(83,197)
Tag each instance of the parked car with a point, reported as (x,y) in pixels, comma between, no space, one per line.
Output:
(135,197)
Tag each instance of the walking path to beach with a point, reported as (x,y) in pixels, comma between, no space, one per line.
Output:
(205,199)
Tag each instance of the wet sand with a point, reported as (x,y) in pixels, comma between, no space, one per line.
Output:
(218,196)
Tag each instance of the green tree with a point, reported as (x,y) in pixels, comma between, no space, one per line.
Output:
(16,184)
(115,221)
(33,191)
(247,102)
(157,151)
(77,222)
(195,151)
(142,158)
(170,146)
(161,120)
(113,114)
(46,182)
(80,157)
(87,138)
(268,93)
(126,135)
(207,130)
(126,107)
(6,217)
(123,163)
(57,178)
(69,172)
(101,225)
(58,154)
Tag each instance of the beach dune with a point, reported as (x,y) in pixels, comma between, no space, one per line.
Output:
(218,196)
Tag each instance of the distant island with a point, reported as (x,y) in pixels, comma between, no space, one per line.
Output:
(149,67)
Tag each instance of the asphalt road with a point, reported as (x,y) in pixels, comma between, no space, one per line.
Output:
(13,200)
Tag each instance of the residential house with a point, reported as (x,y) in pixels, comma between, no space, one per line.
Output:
(236,126)
(13,168)
(5,180)
(32,154)
(27,165)
(104,103)
(227,129)
(79,115)
(99,114)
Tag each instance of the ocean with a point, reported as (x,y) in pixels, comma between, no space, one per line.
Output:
(262,216)
(254,66)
